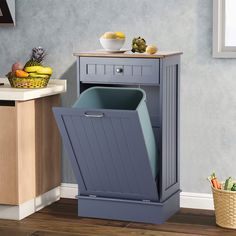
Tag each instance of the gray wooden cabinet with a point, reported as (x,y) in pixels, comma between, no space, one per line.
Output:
(159,76)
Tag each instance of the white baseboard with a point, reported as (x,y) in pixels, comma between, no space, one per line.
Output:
(47,198)
(187,200)
(196,201)
(19,212)
(69,190)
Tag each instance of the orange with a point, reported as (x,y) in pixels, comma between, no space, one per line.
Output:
(21,74)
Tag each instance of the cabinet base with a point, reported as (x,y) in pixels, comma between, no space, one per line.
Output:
(128,210)
(19,212)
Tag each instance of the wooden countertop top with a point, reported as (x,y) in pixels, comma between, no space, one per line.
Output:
(55,86)
(128,54)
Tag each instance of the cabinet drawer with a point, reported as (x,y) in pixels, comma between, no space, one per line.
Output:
(119,70)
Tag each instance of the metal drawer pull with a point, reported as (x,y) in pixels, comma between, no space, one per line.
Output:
(98,115)
(119,70)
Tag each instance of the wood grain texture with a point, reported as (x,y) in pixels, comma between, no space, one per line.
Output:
(129,54)
(30,150)
(8,155)
(26,150)
(61,219)
(13,232)
(48,145)
(17,152)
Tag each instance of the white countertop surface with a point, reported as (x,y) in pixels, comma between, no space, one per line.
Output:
(55,86)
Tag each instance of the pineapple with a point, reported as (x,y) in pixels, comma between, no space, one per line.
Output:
(37,57)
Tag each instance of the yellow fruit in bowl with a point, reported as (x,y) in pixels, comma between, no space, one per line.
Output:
(30,69)
(36,75)
(120,35)
(39,70)
(44,70)
(109,35)
(151,49)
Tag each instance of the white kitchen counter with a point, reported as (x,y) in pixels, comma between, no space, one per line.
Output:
(55,86)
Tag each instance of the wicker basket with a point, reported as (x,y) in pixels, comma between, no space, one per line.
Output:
(225,208)
(28,82)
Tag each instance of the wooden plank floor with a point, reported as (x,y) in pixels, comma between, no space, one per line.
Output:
(60,219)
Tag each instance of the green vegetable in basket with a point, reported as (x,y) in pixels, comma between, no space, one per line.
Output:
(234,187)
(228,184)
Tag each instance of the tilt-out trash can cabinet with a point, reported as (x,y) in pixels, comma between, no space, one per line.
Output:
(121,136)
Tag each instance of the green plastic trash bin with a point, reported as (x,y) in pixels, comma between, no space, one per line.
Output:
(118,99)
(110,141)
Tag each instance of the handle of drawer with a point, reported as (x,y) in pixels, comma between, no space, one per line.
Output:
(94,115)
(119,70)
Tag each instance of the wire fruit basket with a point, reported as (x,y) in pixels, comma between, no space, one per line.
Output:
(28,82)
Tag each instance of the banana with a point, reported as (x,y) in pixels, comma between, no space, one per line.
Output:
(44,70)
(30,69)
(36,75)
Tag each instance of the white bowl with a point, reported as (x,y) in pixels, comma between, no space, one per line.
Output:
(112,44)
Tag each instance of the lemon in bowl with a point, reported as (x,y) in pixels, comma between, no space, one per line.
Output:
(120,35)
(112,41)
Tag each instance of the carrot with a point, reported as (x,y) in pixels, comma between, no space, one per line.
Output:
(216,184)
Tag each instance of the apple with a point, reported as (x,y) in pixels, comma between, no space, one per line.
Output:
(17,66)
